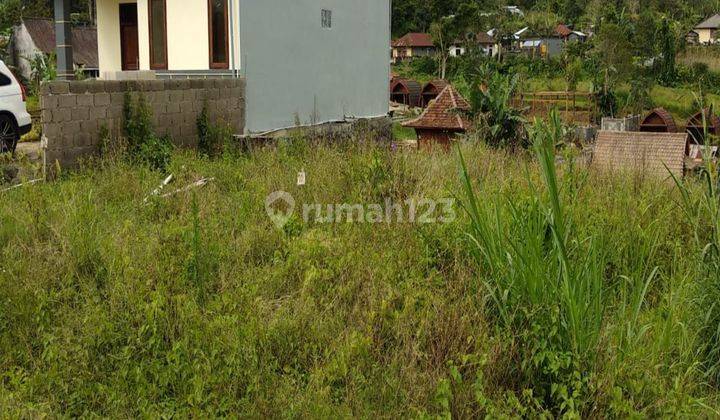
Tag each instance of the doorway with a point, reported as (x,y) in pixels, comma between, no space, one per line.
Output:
(129,45)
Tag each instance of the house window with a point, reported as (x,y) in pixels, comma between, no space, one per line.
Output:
(4,80)
(326,18)
(218,26)
(157,16)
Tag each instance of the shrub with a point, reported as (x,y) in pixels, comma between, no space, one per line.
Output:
(212,139)
(144,146)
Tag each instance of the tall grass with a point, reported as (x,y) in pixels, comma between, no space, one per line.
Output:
(560,292)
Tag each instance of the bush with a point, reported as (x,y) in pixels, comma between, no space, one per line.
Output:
(424,65)
(143,145)
(212,139)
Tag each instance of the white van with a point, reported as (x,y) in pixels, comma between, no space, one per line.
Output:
(14,118)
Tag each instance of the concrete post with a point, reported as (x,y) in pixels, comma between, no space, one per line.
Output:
(63,40)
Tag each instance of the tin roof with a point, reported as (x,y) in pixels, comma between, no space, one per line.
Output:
(84,40)
(442,113)
(657,154)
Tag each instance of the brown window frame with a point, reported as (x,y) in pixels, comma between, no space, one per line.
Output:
(215,65)
(153,65)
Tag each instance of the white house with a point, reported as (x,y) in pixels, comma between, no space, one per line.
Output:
(707,30)
(484,42)
(305,61)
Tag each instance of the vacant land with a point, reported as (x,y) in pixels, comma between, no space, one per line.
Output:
(197,305)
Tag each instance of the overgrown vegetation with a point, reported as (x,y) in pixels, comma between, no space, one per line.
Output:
(143,145)
(559,292)
(212,139)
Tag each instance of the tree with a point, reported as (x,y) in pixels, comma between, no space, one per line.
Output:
(444,32)
(668,41)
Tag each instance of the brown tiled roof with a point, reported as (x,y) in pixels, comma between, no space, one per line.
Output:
(563,30)
(414,40)
(444,113)
(696,121)
(406,86)
(659,120)
(84,40)
(434,87)
(483,38)
(638,151)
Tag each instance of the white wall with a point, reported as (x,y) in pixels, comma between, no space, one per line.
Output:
(187,27)
(108,23)
(297,70)
(23,50)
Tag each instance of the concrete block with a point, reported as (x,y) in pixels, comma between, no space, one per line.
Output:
(67,101)
(117,98)
(95,86)
(89,126)
(187,108)
(156,85)
(189,95)
(176,96)
(97,113)
(85,99)
(114,86)
(196,83)
(59,88)
(102,99)
(51,130)
(70,129)
(173,107)
(78,87)
(184,84)
(114,111)
(61,115)
(80,113)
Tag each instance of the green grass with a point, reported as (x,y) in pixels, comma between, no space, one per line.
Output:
(196,305)
(403,133)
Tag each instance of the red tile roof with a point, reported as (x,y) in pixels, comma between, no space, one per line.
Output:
(443,113)
(563,30)
(414,40)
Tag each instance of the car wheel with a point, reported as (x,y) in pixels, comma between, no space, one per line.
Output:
(8,134)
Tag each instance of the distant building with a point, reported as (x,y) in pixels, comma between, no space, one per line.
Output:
(37,36)
(692,38)
(707,30)
(485,42)
(548,46)
(412,45)
(567,34)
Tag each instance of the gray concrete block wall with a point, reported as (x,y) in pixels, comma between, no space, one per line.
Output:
(74,113)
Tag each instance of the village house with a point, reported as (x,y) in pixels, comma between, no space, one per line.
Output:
(412,45)
(304,63)
(33,37)
(706,31)
(550,45)
(483,41)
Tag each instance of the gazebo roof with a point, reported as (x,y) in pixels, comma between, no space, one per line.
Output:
(435,86)
(658,118)
(442,113)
